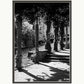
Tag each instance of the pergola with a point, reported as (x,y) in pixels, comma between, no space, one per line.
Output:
(49,8)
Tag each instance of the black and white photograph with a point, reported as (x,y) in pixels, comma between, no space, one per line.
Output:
(42,41)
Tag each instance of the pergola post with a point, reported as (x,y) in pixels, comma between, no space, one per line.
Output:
(62,37)
(48,46)
(66,37)
(36,40)
(19,33)
(56,39)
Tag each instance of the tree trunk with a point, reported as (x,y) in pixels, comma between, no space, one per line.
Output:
(37,35)
(62,36)
(36,58)
(19,55)
(66,37)
(48,46)
(56,39)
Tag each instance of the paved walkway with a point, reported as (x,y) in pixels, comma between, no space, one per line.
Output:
(56,68)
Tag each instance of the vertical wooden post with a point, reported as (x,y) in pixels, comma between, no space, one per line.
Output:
(19,55)
(66,37)
(56,39)
(62,36)
(36,40)
(48,46)
(37,35)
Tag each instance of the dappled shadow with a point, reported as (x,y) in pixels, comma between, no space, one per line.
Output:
(54,58)
(54,68)
(26,72)
(46,57)
(60,75)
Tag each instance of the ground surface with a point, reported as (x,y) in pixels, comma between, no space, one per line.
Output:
(54,68)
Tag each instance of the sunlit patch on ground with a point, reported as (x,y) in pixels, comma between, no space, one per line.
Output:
(40,71)
(58,65)
(22,77)
(44,71)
